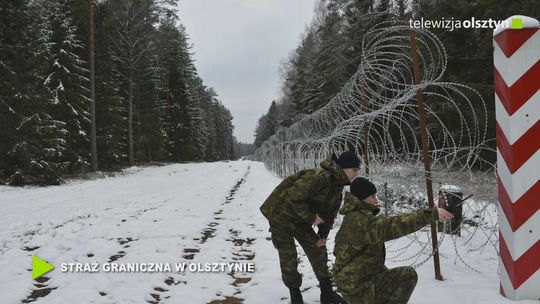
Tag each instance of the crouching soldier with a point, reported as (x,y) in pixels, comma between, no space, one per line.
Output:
(310,197)
(359,270)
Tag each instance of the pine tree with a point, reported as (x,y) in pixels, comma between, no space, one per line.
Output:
(303,67)
(209,100)
(224,142)
(268,125)
(67,78)
(179,71)
(150,101)
(328,74)
(13,39)
(261,131)
(357,20)
(199,131)
(134,21)
(111,113)
(35,143)
(272,123)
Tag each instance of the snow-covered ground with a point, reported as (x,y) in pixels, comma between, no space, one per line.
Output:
(191,213)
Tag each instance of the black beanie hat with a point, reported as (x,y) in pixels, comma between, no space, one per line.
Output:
(348,160)
(362,188)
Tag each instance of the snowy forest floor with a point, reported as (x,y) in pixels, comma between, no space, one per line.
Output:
(194,213)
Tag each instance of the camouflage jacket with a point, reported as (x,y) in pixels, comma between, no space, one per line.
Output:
(359,248)
(297,199)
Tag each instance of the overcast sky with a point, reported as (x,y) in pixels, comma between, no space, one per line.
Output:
(238,47)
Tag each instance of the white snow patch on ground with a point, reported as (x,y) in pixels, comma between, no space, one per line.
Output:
(193,213)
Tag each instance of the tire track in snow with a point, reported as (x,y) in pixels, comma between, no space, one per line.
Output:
(207,233)
(124,242)
(241,252)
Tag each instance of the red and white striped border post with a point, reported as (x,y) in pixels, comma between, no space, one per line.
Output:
(517,103)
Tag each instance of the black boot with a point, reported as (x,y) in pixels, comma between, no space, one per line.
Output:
(296,296)
(329,296)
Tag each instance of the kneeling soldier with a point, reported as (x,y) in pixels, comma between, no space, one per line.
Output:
(359,270)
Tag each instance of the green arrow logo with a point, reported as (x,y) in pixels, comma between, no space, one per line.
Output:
(40,267)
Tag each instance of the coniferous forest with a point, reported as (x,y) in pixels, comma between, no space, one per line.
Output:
(150,103)
(330,51)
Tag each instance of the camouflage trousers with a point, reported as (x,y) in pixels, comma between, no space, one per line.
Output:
(393,286)
(288,257)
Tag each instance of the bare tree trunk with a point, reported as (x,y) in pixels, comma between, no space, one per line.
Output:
(93,140)
(130,118)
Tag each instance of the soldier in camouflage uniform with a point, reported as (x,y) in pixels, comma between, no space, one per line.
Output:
(306,198)
(359,270)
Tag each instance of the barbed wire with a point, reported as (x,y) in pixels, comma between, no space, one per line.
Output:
(378,105)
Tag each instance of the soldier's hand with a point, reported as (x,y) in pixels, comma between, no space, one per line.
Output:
(321,243)
(444,215)
(318,220)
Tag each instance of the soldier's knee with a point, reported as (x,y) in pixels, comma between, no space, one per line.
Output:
(288,258)
(412,276)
